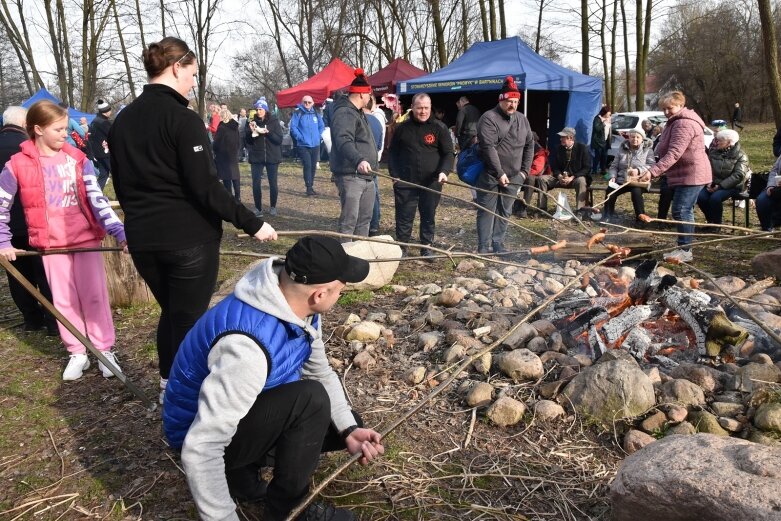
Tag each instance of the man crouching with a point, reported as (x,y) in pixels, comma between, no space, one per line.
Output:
(252,380)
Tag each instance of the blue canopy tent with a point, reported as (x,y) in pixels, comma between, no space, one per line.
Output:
(555,97)
(44,94)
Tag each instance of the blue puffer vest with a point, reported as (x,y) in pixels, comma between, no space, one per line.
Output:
(285,345)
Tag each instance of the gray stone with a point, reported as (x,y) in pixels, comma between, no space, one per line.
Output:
(394,316)
(537,345)
(544,327)
(380,273)
(653,374)
(434,317)
(450,297)
(611,391)
(764,438)
(506,411)
(365,331)
(727,409)
(547,410)
(680,478)
(767,264)
(376,316)
(768,303)
(480,394)
(521,365)
(427,341)
(762,358)
(707,378)
(520,336)
(682,392)
(728,283)
(482,364)
(768,417)
(730,424)
(364,360)
(429,289)
(705,422)
(414,375)
(551,285)
(454,354)
(774,292)
(617,354)
(755,376)
(684,428)
(467,265)
(635,440)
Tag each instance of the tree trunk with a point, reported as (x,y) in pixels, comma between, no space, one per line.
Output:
(57,52)
(584,64)
(141,24)
(539,27)
(439,33)
(464,27)
(770,44)
(162,16)
(612,96)
(639,62)
(492,18)
(603,49)
(502,21)
(124,51)
(483,19)
(66,50)
(627,70)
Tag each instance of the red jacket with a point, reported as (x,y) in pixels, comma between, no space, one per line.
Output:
(26,167)
(681,151)
(540,162)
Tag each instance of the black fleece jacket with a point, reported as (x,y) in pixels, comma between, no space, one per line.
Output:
(165,178)
(419,151)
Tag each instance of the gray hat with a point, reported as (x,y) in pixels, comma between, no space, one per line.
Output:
(635,131)
(567,132)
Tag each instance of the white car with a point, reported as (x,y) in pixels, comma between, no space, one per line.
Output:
(622,122)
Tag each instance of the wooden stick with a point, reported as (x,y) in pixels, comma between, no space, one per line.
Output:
(438,390)
(5,263)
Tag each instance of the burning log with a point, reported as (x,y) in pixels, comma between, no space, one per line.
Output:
(616,328)
(637,343)
(598,347)
(712,329)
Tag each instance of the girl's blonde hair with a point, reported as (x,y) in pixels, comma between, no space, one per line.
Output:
(43,113)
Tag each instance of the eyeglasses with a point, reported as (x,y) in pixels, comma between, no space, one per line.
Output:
(185,55)
(309,103)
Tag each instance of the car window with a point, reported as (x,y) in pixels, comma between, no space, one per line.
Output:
(623,121)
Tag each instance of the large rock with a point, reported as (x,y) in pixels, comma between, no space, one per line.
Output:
(521,365)
(610,391)
(380,273)
(768,417)
(506,411)
(767,264)
(480,394)
(520,336)
(680,478)
(704,421)
(635,440)
(754,376)
(682,392)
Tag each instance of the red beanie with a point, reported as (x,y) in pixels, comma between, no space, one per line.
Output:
(509,90)
(360,84)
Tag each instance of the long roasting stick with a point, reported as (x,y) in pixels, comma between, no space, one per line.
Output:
(5,263)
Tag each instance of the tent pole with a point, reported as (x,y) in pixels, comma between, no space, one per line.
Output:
(525,101)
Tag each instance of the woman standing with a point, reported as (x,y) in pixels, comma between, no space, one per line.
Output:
(635,156)
(264,139)
(683,161)
(729,165)
(226,149)
(174,205)
(600,140)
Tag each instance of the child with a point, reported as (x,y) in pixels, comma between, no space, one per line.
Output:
(64,208)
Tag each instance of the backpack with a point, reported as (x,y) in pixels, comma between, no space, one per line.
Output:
(469,165)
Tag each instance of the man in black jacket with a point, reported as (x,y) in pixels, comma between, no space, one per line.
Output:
(571,164)
(98,141)
(12,134)
(466,122)
(421,152)
(353,158)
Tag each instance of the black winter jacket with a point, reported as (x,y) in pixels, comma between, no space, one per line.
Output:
(352,139)
(419,151)
(579,163)
(226,150)
(264,148)
(165,178)
(98,133)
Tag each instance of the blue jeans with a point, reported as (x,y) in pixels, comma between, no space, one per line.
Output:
(375,224)
(683,210)
(309,158)
(769,209)
(712,203)
(257,175)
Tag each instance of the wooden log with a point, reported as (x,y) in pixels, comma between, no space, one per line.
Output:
(125,285)
(615,328)
(756,288)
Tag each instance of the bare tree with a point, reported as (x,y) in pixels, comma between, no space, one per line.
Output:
(584,37)
(643,40)
(627,79)
(770,43)
(125,58)
(20,39)
(95,17)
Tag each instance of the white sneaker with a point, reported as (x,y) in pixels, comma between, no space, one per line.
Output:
(76,367)
(111,358)
(679,255)
(163,384)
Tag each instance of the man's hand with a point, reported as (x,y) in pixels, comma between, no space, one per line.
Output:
(504,180)
(9,253)
(566,179)
(711,188)
(364,167)
(442,178)
(365,441)
(266,233)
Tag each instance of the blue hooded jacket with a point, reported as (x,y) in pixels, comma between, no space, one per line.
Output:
(306,126)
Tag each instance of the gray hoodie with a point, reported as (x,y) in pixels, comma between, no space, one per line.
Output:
(237,375)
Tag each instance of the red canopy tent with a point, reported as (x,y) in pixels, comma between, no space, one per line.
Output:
(384,80)
(334,76)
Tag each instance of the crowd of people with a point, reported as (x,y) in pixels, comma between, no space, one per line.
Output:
(247,384)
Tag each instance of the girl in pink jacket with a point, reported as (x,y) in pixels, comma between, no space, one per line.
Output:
(64,208)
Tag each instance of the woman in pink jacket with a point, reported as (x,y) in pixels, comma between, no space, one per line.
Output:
(684,162)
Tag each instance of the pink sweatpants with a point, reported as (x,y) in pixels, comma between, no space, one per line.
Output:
(79,292)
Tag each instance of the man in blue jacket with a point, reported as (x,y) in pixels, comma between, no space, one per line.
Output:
(252,377)
(306,127)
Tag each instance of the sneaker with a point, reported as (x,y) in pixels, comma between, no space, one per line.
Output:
(258,213)
(112,358)
(272,211)
(374,233)
(679,255)
(325,512)
(425,252)
(76,367)
(163,385)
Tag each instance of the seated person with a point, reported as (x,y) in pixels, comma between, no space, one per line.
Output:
(769,201)
(571,165)
(631,163)
(539,167)
(648,127)
(729,165)
(252,377)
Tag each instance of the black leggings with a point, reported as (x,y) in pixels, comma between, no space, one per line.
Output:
(295,421)
(183,282)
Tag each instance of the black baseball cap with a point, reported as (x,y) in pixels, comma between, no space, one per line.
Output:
(317,260)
